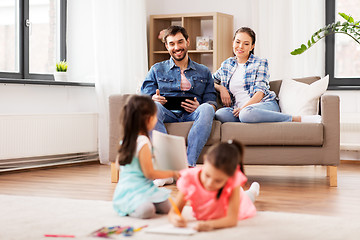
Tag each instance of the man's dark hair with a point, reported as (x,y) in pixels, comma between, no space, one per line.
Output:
(173,30)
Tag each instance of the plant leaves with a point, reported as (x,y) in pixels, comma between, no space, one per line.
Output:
(61,66)
(297,51)
(349,27)
(347,17)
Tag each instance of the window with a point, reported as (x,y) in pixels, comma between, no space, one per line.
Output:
(32,38)
(342,52)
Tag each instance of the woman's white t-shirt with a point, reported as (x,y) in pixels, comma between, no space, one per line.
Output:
(236,86)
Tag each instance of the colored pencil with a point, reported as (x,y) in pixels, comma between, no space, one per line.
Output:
(59,235)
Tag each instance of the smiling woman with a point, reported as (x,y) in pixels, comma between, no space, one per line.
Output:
(243,83)
(243,44)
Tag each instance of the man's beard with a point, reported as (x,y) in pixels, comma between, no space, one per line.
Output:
(179,58)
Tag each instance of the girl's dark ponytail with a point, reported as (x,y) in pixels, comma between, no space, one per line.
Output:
(240,148)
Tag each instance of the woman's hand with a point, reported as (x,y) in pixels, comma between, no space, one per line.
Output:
(225,96)
(236,112)
(203,226)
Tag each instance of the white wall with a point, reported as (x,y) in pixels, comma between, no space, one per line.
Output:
(349,102)
(349,118)
(29,105)
(349,124)
(45,99)
(240,9)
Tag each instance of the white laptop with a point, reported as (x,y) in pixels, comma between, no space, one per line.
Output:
(169,151)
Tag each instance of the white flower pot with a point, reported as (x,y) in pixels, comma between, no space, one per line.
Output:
(60,76)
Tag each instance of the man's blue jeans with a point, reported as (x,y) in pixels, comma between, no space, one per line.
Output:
(200,131)
(255,113)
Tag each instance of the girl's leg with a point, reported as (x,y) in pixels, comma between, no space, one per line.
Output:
(225,115)
(253,191)
(263,112)
(144,211)
(163,207)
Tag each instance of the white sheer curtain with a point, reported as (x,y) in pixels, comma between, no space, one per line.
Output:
(283,25)
(107,45)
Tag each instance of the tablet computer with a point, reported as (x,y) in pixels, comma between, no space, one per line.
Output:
(169,151)
(174,103)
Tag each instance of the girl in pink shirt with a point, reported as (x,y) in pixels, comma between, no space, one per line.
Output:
(215,191)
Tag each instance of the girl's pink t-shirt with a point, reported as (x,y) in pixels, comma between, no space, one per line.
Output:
(204,203)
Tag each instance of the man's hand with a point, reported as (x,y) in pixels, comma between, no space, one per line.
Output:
(190,105)
(157,98)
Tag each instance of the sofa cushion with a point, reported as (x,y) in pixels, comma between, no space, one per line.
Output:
(275,85)
(183,128)
(280,134)
(297,98)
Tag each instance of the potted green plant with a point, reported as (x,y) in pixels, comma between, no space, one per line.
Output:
(349,27)
(61,71)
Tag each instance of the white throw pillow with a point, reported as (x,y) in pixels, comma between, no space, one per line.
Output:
(297,98)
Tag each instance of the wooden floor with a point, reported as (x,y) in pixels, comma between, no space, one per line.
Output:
(286,189)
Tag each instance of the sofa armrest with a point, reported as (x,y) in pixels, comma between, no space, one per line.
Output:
(330,113)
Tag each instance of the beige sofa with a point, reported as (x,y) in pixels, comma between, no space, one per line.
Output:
(283,143)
